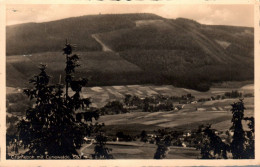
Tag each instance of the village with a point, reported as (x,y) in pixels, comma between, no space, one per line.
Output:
(149,108)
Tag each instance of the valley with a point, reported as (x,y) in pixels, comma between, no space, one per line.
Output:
(146,74)
(188,118)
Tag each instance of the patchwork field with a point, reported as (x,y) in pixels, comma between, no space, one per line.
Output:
(101,95)
(215,112)
(218,114)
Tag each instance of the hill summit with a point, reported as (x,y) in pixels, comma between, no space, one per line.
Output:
(50,36)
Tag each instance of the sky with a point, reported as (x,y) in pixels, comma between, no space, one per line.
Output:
(237,15)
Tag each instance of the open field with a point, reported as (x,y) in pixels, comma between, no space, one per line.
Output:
(101,95)
(218,114)
(140,150)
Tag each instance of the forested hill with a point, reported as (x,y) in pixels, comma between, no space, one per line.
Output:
(167,51)
(50,36)
(148,30)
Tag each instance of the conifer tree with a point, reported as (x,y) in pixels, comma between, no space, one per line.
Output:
(243,143)
(237,145)
(51,127)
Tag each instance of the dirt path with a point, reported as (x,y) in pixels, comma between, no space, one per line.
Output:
(105,48)
(83,148)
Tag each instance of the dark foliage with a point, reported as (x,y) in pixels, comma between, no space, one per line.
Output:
(210,144)
(186,68)
(144,136)
(88,115)
(124,137)
(180,52)
(242,145)
(50,128)
(101,151)
(233,94)
(41,37)
(127,99)
(250,136)
(114,107)
(151,104)
(163,141)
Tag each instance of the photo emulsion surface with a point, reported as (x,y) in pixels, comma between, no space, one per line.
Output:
(130,81)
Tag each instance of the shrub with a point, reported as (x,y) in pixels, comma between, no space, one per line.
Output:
(114,107)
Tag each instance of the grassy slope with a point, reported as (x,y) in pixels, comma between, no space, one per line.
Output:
(140,150)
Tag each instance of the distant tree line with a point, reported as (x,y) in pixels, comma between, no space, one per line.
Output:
(233,94)
(155,103)
(227,95)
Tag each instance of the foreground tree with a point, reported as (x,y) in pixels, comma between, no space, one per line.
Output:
(210,145)
(241,144)
(163,142)
(101,151)
(237,145)
(250,138)
(50,127)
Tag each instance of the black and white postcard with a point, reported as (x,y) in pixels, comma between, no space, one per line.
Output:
(129,83)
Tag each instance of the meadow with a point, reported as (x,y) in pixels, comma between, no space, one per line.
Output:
(140,150)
